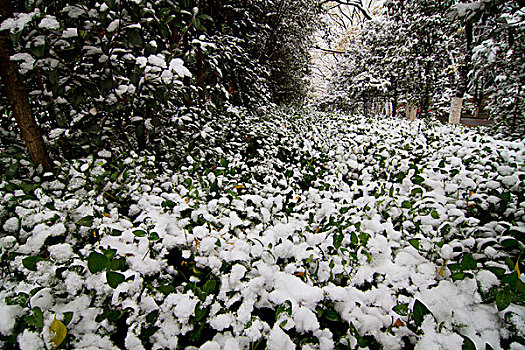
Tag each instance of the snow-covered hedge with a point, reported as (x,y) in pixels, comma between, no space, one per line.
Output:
(298,230)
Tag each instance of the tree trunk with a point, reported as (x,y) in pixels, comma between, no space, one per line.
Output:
(456,103)
(19,99)
(388,107)
(394,107)
(455,110)
(411,111)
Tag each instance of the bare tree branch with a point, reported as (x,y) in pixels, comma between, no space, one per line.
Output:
(329,50)
(357,4)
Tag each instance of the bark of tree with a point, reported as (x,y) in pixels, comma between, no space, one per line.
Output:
(456,103)
(411,111)
(388,107)
(18,97)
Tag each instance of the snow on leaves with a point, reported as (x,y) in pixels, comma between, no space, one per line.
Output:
(346,231)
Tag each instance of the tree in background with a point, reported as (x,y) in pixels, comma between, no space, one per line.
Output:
(498,52)
(18,98)
(139,74)
(451,57)
(401,55)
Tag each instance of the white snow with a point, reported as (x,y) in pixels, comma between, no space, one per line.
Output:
(26,61)
(49,22)
(278,340)
(12,224)
(177,66)
(29,340)
(70,33)
(18,22)
(8,313)
(341,243)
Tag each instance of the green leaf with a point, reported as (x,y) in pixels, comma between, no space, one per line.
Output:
(86,221)
(338,240)
(353,239)
(153,236)
(15,36)
(416,191)
(205,17)
(195,335)
(168,204)
(418,180)
(435,214)
(110,253)
(498,271)
(68,316)
(31,261)
(468,262)
(503,300)
(364,237)
(406,205)
(135,38)
(510,263)
(97,262)
(38,51)
(209,286)
(468,344)
(110,315)
(199,312)
(77,98)
(511,243)
(115,232)
(139,233)
(419,311)
(118,264)
(21,299)
(414,242)
(458,276)
(114,278)
(36,319)
(401,309)
(285,307)
(151,318)
(331,315)
(197,24)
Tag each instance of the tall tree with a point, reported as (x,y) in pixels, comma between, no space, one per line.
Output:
(498,52)
(18,97)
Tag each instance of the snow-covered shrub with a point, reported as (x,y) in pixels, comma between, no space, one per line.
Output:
(300,229)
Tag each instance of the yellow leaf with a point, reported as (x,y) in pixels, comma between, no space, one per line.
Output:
(106,215)
(239,187)
(399,323)
(442,267)
(58,333)
(517,269)
(186,199)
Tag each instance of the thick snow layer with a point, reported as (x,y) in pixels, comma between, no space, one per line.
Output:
(49,22)
(177,66)
(339,220)
(8,313)
(18,22)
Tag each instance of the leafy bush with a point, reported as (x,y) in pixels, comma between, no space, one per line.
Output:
(297,229)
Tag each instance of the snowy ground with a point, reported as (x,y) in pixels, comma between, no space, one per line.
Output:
(302,230)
